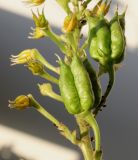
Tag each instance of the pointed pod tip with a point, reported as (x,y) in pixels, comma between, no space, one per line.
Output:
(59,61)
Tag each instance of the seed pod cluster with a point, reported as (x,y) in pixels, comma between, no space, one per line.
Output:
(75,87)
(107,39)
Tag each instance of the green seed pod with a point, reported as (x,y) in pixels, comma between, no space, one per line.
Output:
(103,39)
(100,42)
(95,82)
(93,49)
(68,90)
(82,83)
(122,24)
(117,40)
(93,22)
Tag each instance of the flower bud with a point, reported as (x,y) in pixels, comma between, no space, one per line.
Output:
(70,23)
(40,20)
(20,103)
(36,67)
(45,89)
(33,2)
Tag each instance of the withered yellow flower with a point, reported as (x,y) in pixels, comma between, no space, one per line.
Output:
(23,57)
(70,23)
(27,56)
(36,67)
(37,33)
(33,2)
(20,103)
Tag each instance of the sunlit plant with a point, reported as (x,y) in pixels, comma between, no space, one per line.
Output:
(78,81)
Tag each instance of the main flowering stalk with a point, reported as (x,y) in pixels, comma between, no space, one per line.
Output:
(79,84)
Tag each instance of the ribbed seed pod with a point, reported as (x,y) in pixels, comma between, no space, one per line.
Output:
(95,82)
(103,39)
(82,83)
(117,40)
(68,90)
(100,40)
(93,22)
(92,38)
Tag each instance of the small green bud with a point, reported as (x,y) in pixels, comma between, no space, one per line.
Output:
(40,19)
(41,24)
(20,103)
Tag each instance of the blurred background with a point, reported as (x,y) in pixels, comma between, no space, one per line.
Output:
(26,135)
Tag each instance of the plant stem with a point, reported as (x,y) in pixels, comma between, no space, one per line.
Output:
(48,65)
(56,39)
(41,110)
(111,73)
(64,130)
(85,144)
(89,118)
(55,96)
(47,76)
(87,152)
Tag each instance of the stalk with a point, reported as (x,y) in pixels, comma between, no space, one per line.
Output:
(49,77)
(56,39)
(111,74)
(85,144)
(88,152)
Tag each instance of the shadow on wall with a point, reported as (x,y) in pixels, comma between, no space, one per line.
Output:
(6,153)
(17,80)
(117,122)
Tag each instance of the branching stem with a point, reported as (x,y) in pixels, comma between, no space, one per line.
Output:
(56,39)
(64,130)
(48,77)
(111,73)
